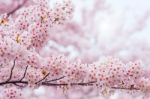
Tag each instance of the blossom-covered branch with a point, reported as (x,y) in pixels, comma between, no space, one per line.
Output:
(17,8)
(45,80)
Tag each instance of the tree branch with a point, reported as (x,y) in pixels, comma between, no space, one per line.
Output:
(55,79)
(42,79)
(64,84)
(48,83)
(24,73)
(18,7)
(11,72)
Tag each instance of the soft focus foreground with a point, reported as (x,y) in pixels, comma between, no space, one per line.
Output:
(79,49)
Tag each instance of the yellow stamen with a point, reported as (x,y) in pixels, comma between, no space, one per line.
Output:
(18,39)
(44,72)
(3,21)
(43,18)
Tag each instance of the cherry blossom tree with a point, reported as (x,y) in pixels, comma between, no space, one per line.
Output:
(44,54)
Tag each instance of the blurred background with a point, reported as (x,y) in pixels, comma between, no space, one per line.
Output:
(118,28)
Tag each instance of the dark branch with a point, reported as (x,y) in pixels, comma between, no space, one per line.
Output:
(43,82)
(55,79)
(42,79)
(24,73)
(63,84)
(13,82)
(49,84)
(72,84)
(11,72)
(18,85)
(123,88)
(18,7)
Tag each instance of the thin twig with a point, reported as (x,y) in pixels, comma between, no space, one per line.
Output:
(72,84)
(42,79)
(64,84)
(24,73)
(18,85)
(11,72)
(123,88)
(55,79)
(18,7)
